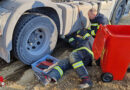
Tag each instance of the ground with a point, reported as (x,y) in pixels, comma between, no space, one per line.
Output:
(18,76)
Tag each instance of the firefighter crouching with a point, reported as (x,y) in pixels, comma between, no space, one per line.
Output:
(82,55)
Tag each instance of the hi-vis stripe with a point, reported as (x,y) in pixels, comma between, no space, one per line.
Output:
(78,64)
(59,70)
(86,35)
(71,39)
(89,28)
(84,48)
(98,26)
(94,24)
(78,31)
(93,32)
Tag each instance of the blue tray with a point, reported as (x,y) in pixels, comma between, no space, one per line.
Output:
(38,70)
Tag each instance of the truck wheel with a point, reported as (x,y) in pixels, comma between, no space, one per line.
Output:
(35,36)
(107,77)
(118,12)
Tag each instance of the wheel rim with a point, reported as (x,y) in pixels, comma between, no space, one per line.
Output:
(119,13)
(37,41)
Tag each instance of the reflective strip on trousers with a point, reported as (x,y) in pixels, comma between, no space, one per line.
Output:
(93,32)
(78,64)
(86,35)
(59,70)
(84,48)
(71,39)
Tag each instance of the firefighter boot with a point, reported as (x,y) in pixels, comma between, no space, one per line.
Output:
(55,74)
(86,83)
(78,66)
(83,74)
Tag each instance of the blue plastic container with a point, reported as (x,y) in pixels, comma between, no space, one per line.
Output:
(38,70)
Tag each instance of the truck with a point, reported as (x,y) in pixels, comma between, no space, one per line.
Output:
(29,28)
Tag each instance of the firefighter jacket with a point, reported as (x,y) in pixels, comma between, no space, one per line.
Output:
(82,35)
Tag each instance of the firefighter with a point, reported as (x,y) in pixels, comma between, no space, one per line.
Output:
(82,55)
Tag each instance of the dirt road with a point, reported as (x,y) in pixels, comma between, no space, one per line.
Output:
(21,77)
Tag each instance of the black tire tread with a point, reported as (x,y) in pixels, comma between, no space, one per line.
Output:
(23,20)
(21,23)
(50,14)
(114,12)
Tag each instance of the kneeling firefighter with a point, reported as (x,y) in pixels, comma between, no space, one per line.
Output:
(82,56)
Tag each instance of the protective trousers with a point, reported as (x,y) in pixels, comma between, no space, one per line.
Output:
(78,59)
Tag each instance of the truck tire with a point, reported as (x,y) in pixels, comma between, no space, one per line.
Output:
(118,12)
(34,37)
